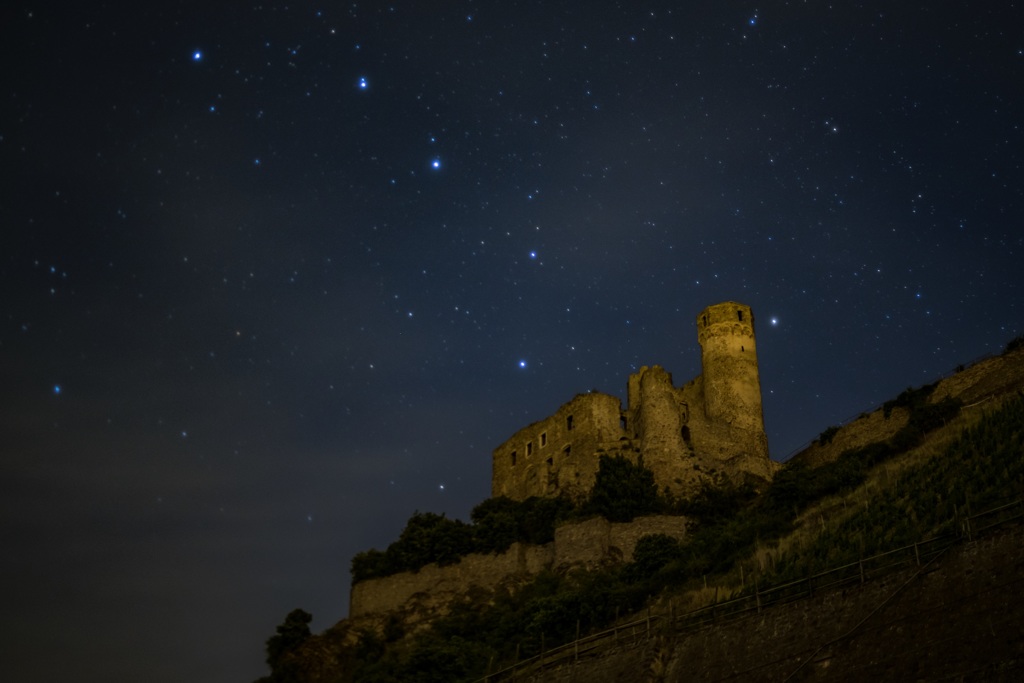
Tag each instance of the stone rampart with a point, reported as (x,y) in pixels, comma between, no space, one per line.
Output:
(414,596)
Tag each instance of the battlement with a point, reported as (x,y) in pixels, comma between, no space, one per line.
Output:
(711,426)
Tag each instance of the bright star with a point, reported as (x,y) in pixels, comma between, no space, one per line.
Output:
(435,164)
(522,364)
(774,321)
(197,56)
(533,254)
(363,84)
(56,389)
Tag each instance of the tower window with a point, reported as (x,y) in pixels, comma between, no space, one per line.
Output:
(543,439)
(622,422)
(567,450)
(513,458)
(529,448)
(739,314)
(742,349)
(705,321)
(568,423)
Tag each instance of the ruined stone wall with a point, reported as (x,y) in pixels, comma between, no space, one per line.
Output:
(991,377)
(986,380)
(416,597)
(711,426)
(433,586)
(597,541)
(867,429)
(659,417)
(559,454)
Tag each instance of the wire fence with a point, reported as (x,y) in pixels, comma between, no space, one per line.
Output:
(635,632)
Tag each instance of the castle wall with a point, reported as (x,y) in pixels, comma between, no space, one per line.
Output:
(434,587)
(417,596)
(558,455)
(711,426)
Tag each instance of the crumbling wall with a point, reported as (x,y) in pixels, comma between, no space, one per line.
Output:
(712,425)
(415,597)
(559,454)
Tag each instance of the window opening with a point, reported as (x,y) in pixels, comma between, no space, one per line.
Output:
(739,314)
(568,423)
(529,448)
(513,458)
(543,439)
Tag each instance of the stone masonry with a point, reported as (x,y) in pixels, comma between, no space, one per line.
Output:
(711,426)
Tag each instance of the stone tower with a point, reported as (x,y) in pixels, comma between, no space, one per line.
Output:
(732,385)
(710,427)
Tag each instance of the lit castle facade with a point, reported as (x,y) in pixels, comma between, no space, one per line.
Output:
(712,425)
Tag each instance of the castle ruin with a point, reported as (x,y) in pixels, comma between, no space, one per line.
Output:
(711,426)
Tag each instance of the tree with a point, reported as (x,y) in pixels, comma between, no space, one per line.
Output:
(290,634)
(622,490)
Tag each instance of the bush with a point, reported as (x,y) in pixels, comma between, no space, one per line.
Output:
(622,490)
(826,436)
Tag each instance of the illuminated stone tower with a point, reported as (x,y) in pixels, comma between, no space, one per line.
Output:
(732,385)
(709,428)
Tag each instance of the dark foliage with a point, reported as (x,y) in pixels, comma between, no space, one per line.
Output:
(715,502)
(1014,344)
(293,632)
(826,436)
(428,537)
(909,398)
(623,490)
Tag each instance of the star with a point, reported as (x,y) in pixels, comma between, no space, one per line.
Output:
(435,164)
(197,56)
(363,84)
(522,364)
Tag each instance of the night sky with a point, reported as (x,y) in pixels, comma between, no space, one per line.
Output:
(275,276)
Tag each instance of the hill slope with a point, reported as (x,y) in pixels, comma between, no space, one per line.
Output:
(910,471)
